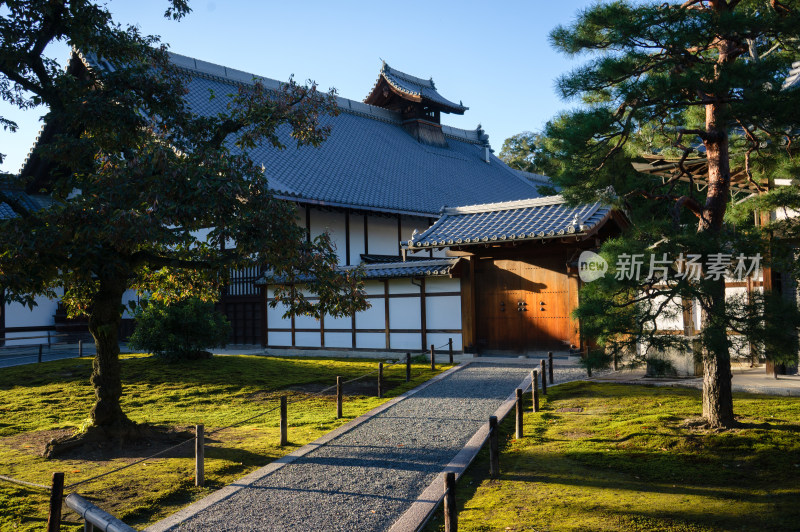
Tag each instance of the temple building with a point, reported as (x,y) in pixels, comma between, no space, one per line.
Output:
(454,243)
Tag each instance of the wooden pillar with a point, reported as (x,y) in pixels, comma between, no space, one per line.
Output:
(423,315)
(386,312)
(199,456)
(264,317)
(450,510)
(56,494)
(347,237)
(284,423)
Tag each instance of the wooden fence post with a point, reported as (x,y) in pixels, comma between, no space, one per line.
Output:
(494,448)
(284,423)
(550,366)
(380,380)
(519,414)
(40,354)
(199,456)
(450,511)
(450,346)
(56,493)
(338,398)
(80,348)
(433,358)
(544,378)
(408,367)
(535,387)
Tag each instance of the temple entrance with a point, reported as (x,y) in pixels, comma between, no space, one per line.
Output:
(524,304)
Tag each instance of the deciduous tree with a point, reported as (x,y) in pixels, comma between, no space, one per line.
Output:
(142,192)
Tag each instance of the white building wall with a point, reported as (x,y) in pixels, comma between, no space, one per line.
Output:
(382,233)
(333,223)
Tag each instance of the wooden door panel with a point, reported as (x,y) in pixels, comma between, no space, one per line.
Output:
(544,321)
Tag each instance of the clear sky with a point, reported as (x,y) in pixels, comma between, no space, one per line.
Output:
(493,56)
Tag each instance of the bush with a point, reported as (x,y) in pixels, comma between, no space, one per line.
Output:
(180,331)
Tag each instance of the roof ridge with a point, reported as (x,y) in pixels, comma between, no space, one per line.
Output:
(506,205)
(408,77)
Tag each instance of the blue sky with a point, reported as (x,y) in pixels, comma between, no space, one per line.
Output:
(493,56)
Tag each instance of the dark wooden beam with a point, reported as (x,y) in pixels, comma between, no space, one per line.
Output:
(423,317)
(347,237)
(386,311)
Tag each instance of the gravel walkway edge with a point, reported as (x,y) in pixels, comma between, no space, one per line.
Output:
(420,512)
(223,493)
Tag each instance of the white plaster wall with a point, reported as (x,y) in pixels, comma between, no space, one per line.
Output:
(669,323)
(370,340)
(306,322)
(402,286)
(383,236)
(356,238)
(404,313)
(410,341)
(344,323)
(442,284)
(307,339)
(374,317)
(334,224)
(129,295)
(340,340)
(275,319)
(374,287)
(443,312)
(279,339)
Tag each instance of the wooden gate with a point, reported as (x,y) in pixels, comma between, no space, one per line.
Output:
(525,304)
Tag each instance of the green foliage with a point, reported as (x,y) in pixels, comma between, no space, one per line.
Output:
(674,81)
(144,192)
(179,331)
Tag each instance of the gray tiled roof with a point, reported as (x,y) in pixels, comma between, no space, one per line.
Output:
(532,219)
(369,161)
(28,201)
(418,87)
(385,270)
(415,268)
(793,79)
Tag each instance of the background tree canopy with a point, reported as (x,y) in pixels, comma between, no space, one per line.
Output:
(141,192)
(681,81)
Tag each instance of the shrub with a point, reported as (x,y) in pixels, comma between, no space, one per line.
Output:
(179,331)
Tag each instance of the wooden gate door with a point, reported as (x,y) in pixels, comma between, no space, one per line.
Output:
(525,304)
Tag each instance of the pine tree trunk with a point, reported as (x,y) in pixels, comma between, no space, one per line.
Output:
(104,325)
(717,396)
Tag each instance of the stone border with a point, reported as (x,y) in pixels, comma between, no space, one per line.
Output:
(223,493)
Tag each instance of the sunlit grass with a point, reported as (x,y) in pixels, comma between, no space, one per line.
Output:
(38,400)
(630,462)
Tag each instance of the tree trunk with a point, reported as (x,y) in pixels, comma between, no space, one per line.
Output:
(104,326)
(717,396)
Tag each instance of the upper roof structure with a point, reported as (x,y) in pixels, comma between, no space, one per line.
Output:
(32,202)
(410,88)
(369,162)
(494,223)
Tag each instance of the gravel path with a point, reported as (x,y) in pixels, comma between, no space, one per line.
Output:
(366,478)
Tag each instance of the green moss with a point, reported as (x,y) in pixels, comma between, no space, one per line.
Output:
(630,462)
(39,399)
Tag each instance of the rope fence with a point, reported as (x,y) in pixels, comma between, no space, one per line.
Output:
(200,435)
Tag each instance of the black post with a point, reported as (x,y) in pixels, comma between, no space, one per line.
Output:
(450,344)
(494,458)
(408,367)
(519,414)
(338,398)
(550,368)
(535,387)
(433,358)
(450,511)
(39,359)
(544,378)
(380,380)
(199,456)
(56,494)
(284,423)
(80,348)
